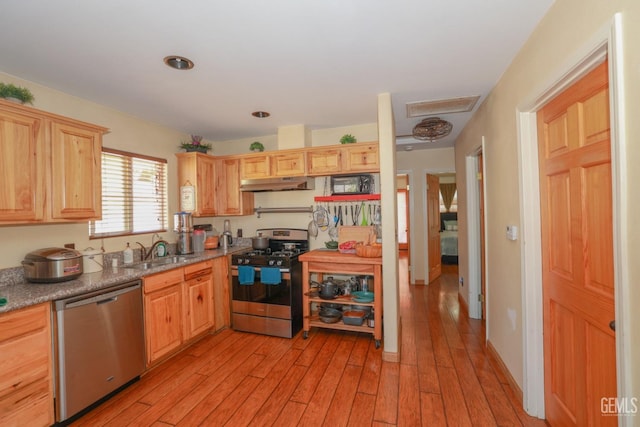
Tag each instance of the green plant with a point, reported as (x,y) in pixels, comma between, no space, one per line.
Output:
(256,146)
(195,145)
(9,90)
(347,139)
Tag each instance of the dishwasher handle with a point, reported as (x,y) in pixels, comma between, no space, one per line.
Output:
(98,297)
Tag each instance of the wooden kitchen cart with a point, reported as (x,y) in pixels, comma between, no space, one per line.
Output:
(333,262)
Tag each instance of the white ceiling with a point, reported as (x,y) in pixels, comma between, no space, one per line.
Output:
(318,63)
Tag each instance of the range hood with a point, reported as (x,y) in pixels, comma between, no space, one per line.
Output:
(278,184)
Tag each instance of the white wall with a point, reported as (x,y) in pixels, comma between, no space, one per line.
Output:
(553,48)
(417,164)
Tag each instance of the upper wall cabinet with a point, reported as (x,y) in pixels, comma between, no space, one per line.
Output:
(342,159)
(291,163)
(200,171)
(51,167)
(217,184)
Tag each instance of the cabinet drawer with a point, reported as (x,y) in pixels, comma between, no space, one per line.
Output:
(29,406)
(23,321)
(199,269)
(24,360)
(162,280)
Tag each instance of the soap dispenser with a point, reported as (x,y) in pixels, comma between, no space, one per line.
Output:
(127,255)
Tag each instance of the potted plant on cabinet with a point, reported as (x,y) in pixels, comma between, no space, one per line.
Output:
(15,93)
(347,139)
(256,146)
(195,145)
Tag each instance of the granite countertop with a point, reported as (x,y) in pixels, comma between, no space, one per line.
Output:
(22,294)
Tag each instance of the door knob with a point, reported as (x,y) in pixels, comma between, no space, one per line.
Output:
(612,325)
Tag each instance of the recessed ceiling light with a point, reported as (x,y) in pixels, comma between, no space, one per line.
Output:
(178,62)
(260,114)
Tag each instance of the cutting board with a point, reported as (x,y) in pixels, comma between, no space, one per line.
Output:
(358,233)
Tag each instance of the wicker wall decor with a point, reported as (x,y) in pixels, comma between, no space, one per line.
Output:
(432,128)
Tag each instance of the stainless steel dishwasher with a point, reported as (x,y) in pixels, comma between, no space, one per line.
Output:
(99,345)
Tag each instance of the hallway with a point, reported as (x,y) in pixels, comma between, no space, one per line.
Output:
(333,378)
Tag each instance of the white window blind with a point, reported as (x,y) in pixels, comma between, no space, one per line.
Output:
(134,196)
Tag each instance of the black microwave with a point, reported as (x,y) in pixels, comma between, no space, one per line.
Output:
(351,184)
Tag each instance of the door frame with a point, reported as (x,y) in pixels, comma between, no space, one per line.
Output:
(605,43)
(473,237)
(425,172)
(410,207)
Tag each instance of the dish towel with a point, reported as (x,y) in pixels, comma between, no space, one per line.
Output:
(270,275)
(246,275)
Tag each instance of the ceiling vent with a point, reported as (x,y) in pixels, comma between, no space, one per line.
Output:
(442,106)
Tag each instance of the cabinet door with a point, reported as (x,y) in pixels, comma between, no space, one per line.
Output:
(289,164)
(76,181)
(26,395)
(255,167)
(221,294)
(163,321)
(205,187)
(361,158)
(23,168)
(200,171)
(231,201)
(324,162)
(198,294)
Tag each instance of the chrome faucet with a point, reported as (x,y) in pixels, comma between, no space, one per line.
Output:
(144,254)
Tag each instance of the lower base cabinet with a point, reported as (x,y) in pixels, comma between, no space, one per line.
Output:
(26,386)
(221,293)
(178,306)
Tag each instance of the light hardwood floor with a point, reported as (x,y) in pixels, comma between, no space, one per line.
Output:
(332,378)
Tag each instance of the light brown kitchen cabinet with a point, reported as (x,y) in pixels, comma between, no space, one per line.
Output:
(231,201)
(51,167)
(221,292)
(343,159)
(199,170)
(324,161)
(198,299)
(22,158)
(76,171)
(360,158)
(255,167)
(26,386)
(291,163)
(163,313)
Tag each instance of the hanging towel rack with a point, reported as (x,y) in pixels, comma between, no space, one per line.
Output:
(301,209)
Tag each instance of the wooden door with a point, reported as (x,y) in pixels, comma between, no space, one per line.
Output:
(577,252)
(483,283)
(324,162)
(22,167)
(360,158)
(254,167)
(433,226)
(76,165)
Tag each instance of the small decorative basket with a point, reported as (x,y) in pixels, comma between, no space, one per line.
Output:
(369,251)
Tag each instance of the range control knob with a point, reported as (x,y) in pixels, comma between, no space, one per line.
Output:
(271,262)
(279,262)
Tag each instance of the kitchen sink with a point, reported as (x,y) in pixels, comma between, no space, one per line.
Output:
(169,260)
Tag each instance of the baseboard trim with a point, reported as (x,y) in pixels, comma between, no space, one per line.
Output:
(496,360)
(464,308)
(420,282)
(388,356)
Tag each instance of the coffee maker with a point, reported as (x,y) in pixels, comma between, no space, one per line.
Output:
(183,225)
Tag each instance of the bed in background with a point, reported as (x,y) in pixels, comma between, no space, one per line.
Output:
(449,237)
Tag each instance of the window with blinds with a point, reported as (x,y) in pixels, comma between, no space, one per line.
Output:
(134,196)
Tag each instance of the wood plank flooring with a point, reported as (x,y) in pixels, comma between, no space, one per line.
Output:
(333,378)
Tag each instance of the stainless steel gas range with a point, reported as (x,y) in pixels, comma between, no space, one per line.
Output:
(267,284)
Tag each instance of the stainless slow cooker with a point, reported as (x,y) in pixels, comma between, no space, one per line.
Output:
(51,265)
